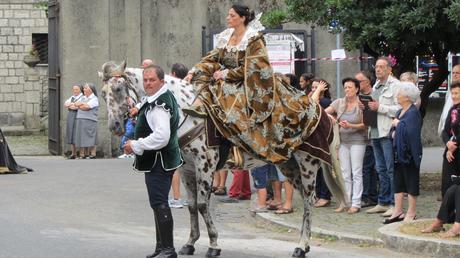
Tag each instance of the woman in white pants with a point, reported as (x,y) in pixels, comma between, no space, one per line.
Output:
(352,142)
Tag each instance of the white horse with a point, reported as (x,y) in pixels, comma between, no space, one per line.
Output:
(201,160)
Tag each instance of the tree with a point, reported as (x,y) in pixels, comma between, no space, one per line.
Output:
(402,28)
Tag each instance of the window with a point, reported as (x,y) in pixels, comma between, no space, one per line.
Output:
(40,40)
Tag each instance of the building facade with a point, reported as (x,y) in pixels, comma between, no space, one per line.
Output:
(23,89)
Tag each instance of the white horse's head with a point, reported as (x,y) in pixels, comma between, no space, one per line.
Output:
(121,87)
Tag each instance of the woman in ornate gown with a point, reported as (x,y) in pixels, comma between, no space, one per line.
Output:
(252,107)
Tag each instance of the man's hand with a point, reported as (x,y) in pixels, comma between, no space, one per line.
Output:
(133,112)
(128,147)
(374,105)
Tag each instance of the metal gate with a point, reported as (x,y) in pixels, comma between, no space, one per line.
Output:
(54,129)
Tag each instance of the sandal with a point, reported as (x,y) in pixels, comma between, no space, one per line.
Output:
(282,210)
(394,219)
(274,207)
(221,190)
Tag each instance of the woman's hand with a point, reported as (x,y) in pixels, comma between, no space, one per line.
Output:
(322,86)
(73,106)
(218,75)
(451,146)
(189,77)
(450,156)
(344,124)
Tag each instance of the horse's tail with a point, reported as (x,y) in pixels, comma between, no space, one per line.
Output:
(332,174)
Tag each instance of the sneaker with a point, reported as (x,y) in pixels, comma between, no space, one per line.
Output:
(367,203)
(123,156)
(378,209)
(176,204)
(257,209)
(389,212)
(184,202)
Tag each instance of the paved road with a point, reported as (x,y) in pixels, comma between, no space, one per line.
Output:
(98,208)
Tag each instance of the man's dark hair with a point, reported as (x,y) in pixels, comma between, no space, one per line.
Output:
(180,70)
(368,76)
(386,59)
(353,80)
(158,70)
(455,84)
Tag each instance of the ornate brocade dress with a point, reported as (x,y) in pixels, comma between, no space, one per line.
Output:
(252,107)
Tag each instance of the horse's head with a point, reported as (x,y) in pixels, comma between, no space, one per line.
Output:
(118,93)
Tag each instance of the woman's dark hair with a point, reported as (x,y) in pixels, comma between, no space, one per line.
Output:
(307,76)
(455,84)
(326,93)
(244,11)
(353,80)
(293,80)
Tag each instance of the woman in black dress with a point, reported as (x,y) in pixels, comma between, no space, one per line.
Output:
(7,162)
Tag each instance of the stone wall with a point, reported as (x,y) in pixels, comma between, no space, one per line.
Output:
(21,88)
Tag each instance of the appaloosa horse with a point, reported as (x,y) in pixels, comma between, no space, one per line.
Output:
(201,160)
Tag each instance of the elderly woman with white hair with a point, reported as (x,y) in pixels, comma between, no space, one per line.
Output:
(407,143)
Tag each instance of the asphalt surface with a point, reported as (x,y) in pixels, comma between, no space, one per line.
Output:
(99,208)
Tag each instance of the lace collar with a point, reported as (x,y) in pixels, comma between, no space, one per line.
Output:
(252,30)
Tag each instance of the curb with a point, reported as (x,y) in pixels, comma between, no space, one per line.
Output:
(323,233)
(396,240)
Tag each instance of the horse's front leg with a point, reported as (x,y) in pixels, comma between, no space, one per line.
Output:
(205,174)
(188,177)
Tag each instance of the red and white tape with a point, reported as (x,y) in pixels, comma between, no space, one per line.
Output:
(326,59)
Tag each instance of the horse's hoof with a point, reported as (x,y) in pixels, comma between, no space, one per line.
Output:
(187,250)
(298,252)
(212,253)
